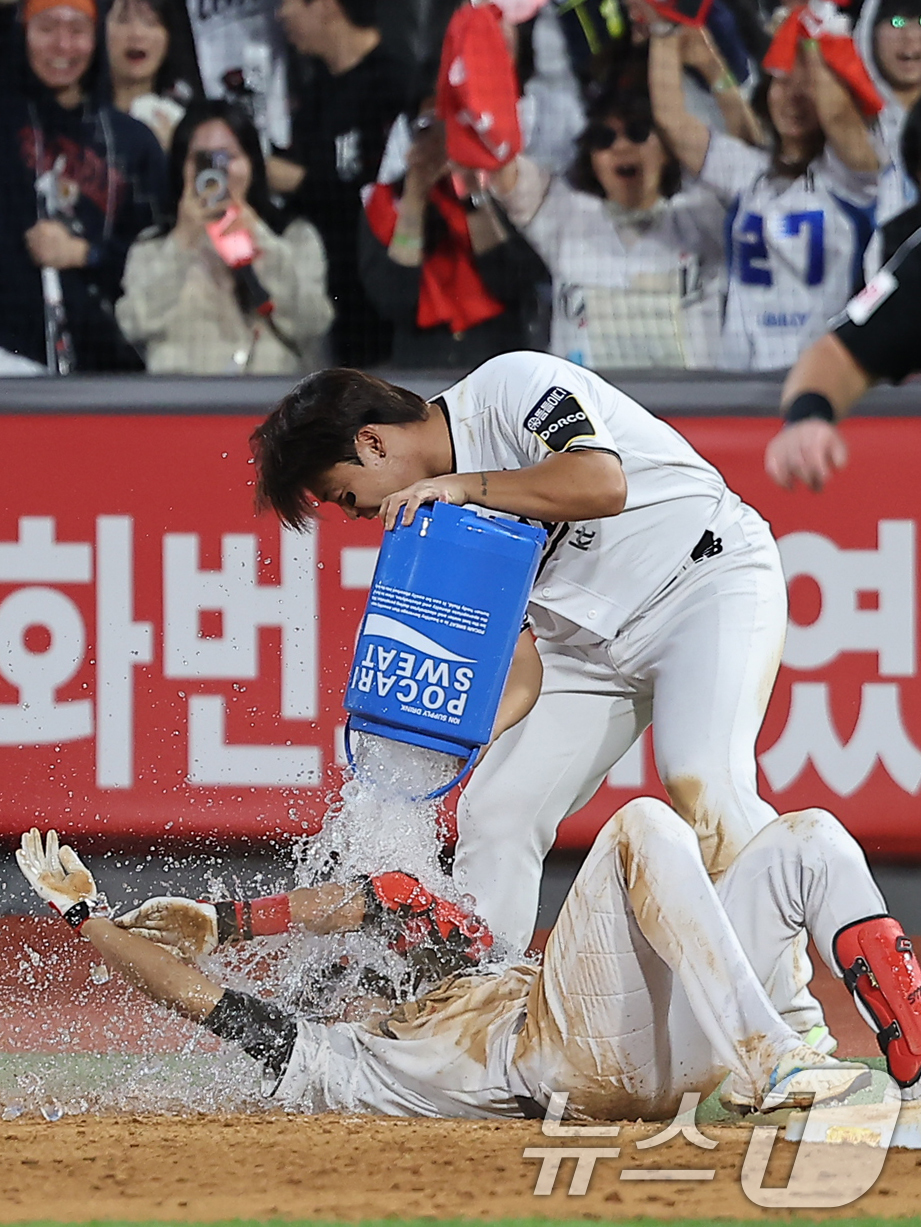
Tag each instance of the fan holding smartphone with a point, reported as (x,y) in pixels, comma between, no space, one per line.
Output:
(223,290)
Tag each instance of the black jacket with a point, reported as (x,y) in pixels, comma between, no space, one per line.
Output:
(340,127)
(115,171)
(512,272)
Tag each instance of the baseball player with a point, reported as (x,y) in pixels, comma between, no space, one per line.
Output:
(660,597)
(654,984)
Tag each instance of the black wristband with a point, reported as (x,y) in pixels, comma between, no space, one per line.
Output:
(809,405)
(77,915)
(262,1029)
(228,927)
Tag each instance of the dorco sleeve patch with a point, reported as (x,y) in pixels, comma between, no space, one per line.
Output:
(559,420)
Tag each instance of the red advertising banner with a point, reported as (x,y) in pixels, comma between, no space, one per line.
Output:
(172,666)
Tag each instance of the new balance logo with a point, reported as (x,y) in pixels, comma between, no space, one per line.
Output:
(707,547)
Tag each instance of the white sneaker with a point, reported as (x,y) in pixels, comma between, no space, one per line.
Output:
(822,1080)
(827,1080)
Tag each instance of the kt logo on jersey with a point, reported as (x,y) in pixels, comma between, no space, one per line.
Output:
(557,419)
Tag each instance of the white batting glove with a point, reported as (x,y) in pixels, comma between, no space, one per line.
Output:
(58,876)
(184,927)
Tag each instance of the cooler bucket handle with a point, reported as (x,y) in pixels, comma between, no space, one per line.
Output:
(432,796)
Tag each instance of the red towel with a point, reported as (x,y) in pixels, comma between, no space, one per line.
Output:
(838,51)
(478,90)
(452,291)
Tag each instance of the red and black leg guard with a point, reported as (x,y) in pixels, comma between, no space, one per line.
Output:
(881,970)
(437,936)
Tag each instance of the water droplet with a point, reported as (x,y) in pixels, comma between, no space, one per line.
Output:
(150,1067)
(13,1110)
(99,973)
(51,1109)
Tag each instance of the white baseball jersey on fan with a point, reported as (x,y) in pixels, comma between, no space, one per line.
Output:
(630,289)
(625,619)
(652,985)
(796,248)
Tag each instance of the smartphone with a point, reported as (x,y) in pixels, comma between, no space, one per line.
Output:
(211,184)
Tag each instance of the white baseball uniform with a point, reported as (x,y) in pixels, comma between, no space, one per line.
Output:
(630,628)
(630,288)
(796,247)
(654,983)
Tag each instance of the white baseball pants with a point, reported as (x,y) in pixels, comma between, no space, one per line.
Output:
(699,663)
(655,982)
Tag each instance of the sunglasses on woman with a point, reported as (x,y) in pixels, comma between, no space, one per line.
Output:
(600,136)
(899,23)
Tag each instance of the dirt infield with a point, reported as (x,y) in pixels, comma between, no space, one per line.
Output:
(209,1168)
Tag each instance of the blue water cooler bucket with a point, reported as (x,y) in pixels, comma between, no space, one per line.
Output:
(444,613)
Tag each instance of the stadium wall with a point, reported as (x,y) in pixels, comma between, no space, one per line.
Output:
(172,666)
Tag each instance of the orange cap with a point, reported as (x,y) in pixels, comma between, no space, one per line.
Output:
(33,7)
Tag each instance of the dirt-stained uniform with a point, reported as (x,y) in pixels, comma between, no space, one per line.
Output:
(654,983)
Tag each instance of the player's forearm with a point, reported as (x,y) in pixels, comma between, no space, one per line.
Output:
(587,485)
(522,687)
(157,973)
(828,368)
(328,909)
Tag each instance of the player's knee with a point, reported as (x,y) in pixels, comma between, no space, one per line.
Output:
(646,817)
(819,832)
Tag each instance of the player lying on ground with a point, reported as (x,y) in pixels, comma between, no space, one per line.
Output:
(654,983)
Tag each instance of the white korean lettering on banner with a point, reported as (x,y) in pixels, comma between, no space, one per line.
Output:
(121,643)
(38,670)
(44,636)
(842,626)
(245,605)
(889,630)
(810,736)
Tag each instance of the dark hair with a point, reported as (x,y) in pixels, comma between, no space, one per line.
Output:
(360,12)
(314,427)
(788,170)
(896,8)
(165,12)
(911,142)
(244,130)
(628,106)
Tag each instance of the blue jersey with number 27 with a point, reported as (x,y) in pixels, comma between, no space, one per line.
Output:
(794,248)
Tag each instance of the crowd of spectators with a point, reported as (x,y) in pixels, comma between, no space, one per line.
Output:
(263,186)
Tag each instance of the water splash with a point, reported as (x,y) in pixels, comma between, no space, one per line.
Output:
(373,826)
